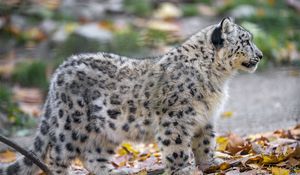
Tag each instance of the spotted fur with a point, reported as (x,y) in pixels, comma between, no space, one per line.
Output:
(97,101)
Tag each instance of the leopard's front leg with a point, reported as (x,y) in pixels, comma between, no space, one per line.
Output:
(203,146)
(174,137)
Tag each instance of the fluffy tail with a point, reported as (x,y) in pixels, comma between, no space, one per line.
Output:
(24,166)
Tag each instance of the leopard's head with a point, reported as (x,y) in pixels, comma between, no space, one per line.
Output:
(235,47)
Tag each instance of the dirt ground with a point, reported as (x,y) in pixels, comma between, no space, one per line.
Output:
(263,101)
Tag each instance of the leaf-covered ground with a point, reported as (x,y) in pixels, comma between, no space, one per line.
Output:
(276,153)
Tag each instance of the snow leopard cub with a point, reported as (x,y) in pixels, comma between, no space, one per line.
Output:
(97,101)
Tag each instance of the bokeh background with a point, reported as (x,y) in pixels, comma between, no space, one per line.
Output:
(37,35)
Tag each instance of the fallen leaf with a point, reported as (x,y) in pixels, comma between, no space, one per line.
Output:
(293,162)
(251,172)
(227,114)
(272,159)
(280,171)
(224,166)
(7,156)
(255,159)
(237,144)
(222,155)
(232,172)
(222,142)
(143,172)
(254,166)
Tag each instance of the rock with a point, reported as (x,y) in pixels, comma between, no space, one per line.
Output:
(243,11)
(48,26)
(167,10)
(60,35)
(18,22)
(88,9)
(94,31)
(114,6)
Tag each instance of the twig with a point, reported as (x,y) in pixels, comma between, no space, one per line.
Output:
(27,154)
(156,172)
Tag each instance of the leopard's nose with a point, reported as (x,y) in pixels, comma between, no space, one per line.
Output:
(259,55)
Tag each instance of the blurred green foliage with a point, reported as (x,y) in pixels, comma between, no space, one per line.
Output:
(74,45)
(5,97)
(125,42)
(189,10)
(152,37)
(142,8)
(16,118)
(31,74)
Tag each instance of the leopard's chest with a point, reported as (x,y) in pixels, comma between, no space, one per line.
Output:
(210,107)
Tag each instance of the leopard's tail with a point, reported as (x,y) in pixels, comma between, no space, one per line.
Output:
(23,166)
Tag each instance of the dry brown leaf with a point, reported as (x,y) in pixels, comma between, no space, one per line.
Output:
(256,159)
(7,156)
(284,133)
(237,144)
(293,162)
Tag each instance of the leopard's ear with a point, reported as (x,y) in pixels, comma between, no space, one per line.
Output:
(227,25)
(217,36)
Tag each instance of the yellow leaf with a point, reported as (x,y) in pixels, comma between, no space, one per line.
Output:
(7,156)
(280,171)
(227,114)
(222,143)
(143,172)
(256,159)
(270,159)
(224,166)
(127,148)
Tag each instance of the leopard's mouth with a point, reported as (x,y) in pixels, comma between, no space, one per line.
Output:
(251,63)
